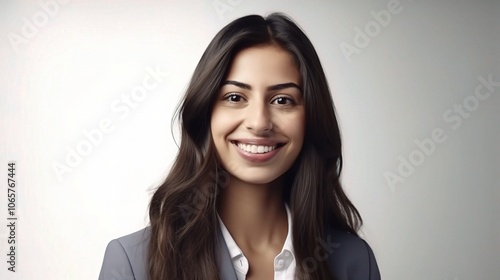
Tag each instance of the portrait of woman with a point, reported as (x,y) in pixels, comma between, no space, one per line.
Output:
(233,139)
(254,192)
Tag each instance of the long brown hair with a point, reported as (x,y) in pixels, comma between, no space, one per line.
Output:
(183,210)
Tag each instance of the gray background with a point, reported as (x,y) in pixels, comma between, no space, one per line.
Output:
(62,78)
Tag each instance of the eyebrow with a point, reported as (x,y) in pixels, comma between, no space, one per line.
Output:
(270,88)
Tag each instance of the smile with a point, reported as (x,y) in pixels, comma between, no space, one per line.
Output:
(257,152)
(256,149)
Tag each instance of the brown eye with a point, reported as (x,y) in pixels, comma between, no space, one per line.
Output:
(233,97)
(283,101)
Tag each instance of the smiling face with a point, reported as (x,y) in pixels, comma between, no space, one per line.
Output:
(258,119)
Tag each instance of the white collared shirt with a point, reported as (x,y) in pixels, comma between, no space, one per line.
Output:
(284,262)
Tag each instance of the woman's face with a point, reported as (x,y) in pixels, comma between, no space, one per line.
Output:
(258,118)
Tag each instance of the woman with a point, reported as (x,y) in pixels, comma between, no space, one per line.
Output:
(254,192)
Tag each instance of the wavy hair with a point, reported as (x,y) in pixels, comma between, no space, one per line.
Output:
(183,209)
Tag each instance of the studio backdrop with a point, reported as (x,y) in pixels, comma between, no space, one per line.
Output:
(88,90)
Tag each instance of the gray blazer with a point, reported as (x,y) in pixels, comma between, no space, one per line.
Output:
(350,257)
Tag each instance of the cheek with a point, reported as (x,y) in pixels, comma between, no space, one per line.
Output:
(299,130)
(221,124)
(295,127)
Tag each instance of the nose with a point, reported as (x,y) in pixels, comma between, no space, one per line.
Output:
(258,119)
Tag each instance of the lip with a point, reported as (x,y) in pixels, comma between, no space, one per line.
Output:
(257,158)
(260,142)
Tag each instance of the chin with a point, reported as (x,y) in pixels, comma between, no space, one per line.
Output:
(257,178)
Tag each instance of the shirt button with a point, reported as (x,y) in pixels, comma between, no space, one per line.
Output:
(287,254)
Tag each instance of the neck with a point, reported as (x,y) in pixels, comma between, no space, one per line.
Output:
(255,215)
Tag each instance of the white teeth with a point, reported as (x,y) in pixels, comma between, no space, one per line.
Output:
(256,149)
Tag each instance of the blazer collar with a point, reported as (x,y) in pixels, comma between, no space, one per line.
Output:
(226,268)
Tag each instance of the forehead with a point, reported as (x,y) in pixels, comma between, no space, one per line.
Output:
(264,65)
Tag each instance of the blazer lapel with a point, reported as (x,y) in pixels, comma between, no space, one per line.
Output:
(226,268)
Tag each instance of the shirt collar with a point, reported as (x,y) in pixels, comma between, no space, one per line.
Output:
(289,236)
(235,251)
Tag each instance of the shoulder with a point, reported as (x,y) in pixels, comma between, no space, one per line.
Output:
(350,257)
(125,258)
